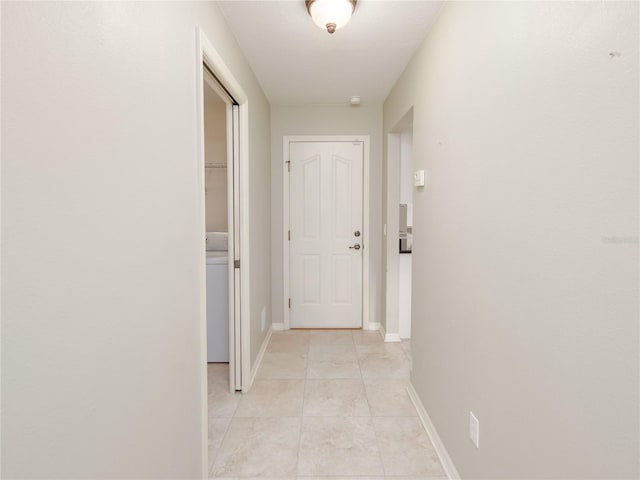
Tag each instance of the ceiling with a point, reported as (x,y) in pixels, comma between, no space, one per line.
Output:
(298,63)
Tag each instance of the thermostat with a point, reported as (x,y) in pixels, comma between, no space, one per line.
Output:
(418,178)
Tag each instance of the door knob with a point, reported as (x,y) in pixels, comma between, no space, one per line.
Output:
(356,246)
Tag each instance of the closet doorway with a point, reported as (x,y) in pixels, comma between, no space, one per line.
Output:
(221,223)
(222,164)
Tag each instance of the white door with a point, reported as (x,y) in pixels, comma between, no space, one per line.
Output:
(325,248)
(233,191)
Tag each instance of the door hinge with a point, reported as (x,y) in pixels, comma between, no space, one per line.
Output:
(289,235)
(289,303)
(288,165)
(236,263)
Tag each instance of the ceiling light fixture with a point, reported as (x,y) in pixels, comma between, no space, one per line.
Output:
(330,14)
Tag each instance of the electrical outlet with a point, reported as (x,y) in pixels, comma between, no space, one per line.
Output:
(474,429)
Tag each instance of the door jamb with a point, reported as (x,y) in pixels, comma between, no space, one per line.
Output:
(207,54)
(366,235)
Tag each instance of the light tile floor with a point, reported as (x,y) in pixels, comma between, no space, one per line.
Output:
(325,404)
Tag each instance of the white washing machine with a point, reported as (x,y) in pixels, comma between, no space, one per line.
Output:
(217,298)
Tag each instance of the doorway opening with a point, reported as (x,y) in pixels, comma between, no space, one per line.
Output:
(398,241)
(220,134)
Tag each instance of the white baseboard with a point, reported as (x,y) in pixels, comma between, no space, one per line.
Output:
(263,349)
(373,326)
(277,327)
(392,337)
(443,455)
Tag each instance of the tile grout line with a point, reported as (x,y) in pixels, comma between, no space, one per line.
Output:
(212,463)
(231,417)
(384,472)
(364,387)
(304,394)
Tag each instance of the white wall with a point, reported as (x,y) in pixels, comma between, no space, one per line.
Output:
(406,167)
(525,263)
(102,243)
(215,128)
(365,119)
(215,153)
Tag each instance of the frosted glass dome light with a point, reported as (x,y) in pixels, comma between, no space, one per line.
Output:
(330,14)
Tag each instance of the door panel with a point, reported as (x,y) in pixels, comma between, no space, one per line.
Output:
(311,276)
(235,367)
(311,202)
(341,278)
(325,212)
(342,180)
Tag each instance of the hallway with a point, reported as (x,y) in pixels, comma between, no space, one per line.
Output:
(324,404)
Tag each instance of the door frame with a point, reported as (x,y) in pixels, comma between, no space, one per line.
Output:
(366,234)
(390,220)
(207,54)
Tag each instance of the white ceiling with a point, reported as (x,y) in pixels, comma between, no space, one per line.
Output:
(297,62)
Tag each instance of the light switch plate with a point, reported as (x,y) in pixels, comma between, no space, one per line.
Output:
(418,178)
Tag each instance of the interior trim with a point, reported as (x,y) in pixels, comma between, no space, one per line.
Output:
(441,451)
